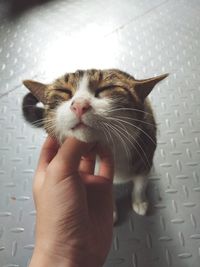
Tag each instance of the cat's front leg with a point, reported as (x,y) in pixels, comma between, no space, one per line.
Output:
(115,211)
(139,199)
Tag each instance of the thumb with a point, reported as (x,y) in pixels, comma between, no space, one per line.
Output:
(66,162)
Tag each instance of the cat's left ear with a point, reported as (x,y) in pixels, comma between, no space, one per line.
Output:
(144,87)
(37,89)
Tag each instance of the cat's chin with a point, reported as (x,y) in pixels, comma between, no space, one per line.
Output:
(87,135)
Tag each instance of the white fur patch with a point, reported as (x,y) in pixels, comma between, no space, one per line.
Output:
(66,119)
(83,84)
(139,200)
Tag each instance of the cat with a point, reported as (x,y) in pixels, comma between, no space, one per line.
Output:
(106,106)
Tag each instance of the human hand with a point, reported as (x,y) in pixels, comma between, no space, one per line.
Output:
(74,207)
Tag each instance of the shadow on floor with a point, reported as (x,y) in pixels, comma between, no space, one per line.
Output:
(18,7)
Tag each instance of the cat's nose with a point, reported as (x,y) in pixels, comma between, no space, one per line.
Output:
(79,107)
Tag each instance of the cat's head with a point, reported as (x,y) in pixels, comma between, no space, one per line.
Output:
(92,104)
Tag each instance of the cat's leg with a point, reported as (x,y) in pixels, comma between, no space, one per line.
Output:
(115,212)
(139,199)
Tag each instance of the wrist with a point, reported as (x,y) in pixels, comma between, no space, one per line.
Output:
(42,259)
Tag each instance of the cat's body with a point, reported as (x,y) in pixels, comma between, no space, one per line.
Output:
(109,107)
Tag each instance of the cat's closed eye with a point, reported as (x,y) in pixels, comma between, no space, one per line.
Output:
(64,90)
(102,89)
(57,96)
(54,101)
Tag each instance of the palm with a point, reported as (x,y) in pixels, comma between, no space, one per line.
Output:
(99,199)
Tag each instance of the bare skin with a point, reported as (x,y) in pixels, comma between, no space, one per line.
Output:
(74,219)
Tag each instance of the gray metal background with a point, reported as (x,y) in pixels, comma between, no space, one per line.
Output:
(48,38)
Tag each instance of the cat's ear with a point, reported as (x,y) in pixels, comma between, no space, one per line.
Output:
(37,89)
(144,87)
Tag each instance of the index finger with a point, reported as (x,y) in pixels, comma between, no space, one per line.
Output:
(48,151)
(87,163)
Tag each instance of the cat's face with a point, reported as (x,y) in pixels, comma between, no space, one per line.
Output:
(92,105)
(80,112)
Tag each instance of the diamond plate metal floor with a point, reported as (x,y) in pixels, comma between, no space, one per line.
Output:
(47,38)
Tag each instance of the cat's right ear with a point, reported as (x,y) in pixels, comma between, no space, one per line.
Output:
(37,89)
(144,87)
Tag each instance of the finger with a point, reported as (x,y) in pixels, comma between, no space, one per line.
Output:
(87,163)
(106,166)
(66,162)
(49,150)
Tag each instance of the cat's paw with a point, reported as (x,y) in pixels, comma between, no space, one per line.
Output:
(140,207)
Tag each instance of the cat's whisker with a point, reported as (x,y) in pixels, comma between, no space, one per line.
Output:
(136,127)
(111,138)
(129,109)
(39,120)
(43,120)
(132,119)
(103,128)
(51,130)
(132,144)
(125,144)
(109,130)
(116,133)
(38,124)
(134,140)
(48,127)
(125,136)
(48,120)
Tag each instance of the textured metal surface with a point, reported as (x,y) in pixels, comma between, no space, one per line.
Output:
(144,38)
